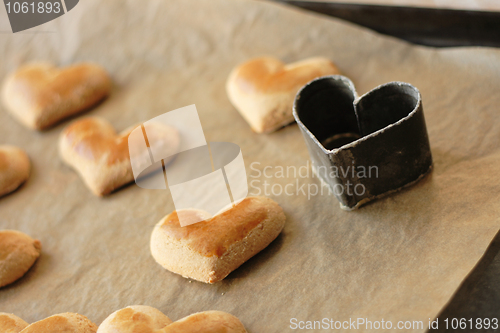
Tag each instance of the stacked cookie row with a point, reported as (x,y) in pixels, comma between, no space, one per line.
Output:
(132,319)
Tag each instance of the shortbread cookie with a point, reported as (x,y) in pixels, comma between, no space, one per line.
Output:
(18,252)
(62,323)
(14,168)
(207,322)
(40,94)
(146,319)
(208,251)
(133,319)
(101,157)
(263,89)
(10,323)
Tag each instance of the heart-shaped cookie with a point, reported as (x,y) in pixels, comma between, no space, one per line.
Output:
(363,147)
(18,252)
(206,322)
(40,94)
(101,156)
(14,168)
(134,318)
(10,323)
(208,251)
(146,319)
(263,89)
(63,323)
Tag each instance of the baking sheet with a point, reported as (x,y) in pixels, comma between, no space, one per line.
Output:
(482,5)
(400,258)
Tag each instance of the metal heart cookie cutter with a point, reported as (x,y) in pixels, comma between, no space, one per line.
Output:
(363,147)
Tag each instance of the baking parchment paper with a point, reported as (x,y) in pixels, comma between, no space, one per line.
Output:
(400,258)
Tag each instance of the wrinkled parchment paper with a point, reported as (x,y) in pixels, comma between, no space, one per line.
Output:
(399,258)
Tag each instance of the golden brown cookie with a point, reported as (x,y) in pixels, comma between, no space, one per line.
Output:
(263,89)
(134,319)
(208,251)
(10,323)
(101,156)
(40,94)
(146,319)
(14,168)
(62,323)
(206,322)
(18,252)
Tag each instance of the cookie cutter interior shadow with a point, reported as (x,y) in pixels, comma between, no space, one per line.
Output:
(363,147)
